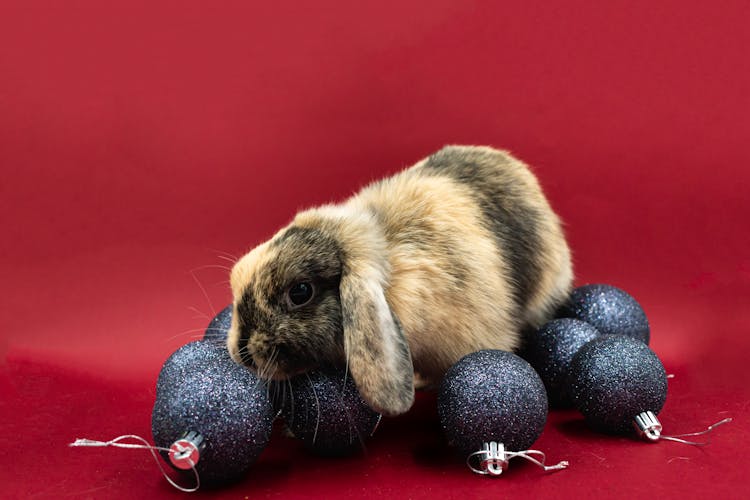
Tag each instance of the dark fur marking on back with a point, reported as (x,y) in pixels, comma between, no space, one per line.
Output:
(514,223)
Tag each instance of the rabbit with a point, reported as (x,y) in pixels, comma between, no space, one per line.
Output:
(455,254)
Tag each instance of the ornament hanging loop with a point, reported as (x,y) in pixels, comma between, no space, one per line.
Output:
(493,459)
(649,428)
(143,445)
(677,438)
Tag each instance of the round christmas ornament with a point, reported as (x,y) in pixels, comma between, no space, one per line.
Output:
(210,412)
(550,351)
(218,328)
(492,407)
(323,408)
(609,309)
(617,382)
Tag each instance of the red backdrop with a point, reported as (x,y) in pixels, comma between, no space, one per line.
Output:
(141,143)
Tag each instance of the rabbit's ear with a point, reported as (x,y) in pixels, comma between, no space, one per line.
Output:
(377,351)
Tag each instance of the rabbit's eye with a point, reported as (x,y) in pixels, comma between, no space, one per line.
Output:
(301,293)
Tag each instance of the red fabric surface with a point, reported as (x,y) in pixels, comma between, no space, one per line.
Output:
(141,142)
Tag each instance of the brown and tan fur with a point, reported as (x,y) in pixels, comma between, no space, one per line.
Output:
(458,253)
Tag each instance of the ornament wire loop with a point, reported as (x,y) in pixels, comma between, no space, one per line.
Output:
(676,438)
(527,454)
(493,459)
(116,443)
(649,428)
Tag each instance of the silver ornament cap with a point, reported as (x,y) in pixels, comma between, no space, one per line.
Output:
(492,458)
(648,426)
(186,451)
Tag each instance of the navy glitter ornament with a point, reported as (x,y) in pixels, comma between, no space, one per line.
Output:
(214,408)
(492,396)
(324,409)
(609,309)
(550,351)
(613,379)
(218,328)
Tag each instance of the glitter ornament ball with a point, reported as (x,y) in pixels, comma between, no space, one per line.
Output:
(492,396)
(550,351)
(609,309)
(323,408)
(201,390)
(614,378)
(218,328)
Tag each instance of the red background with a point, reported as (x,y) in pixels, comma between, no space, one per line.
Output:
(143,142)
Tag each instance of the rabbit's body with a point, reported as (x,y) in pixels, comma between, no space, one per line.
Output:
(455,254)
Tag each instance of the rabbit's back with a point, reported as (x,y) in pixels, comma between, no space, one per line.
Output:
(475,251)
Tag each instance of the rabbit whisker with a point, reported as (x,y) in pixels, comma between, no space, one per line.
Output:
(269,368)
(200,313)
(245,353)
(288,383)
(186,332)
(211,266)
(230,260)
(317,407)
(269,376)
(205,294)
(346,369)
(353,429)
(225,255)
